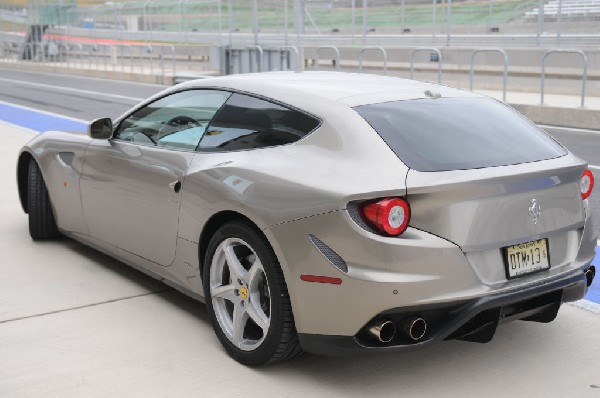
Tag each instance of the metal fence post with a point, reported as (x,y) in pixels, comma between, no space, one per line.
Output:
(259,57)
(583,79)
(336,52)
(504,74)
(298,64)
(173,63)
(148,48)
(421,49)
(377,48)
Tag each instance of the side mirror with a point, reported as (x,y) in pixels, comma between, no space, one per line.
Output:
(101,129)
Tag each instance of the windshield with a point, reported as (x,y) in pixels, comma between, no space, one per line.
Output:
(458,133)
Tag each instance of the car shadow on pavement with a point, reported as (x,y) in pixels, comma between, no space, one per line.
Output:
(155,286)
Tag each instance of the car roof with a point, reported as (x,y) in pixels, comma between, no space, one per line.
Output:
(352,89)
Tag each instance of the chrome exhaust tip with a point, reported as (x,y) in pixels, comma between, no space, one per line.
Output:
(382,330)
(590,273)
(414,328)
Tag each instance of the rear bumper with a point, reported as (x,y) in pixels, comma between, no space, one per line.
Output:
(471,320)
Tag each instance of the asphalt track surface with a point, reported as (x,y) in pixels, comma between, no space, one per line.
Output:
(112,331)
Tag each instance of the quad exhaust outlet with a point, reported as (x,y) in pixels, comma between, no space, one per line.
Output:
(382,330)
(590,273)
(414,328)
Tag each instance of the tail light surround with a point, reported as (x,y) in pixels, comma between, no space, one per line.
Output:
(586,185)
(389,216)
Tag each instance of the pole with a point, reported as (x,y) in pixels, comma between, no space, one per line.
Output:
(353,19)
(230,22)
(449,29)
(364,19)
(558,18)
(255,20)
(299,18)
(285,21)
(220,23)
(434,18)
(540,23)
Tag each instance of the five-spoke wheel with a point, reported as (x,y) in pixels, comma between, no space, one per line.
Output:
(240,294)
(247,297)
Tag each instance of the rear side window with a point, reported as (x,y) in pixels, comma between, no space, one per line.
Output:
(458,133)
(246,122)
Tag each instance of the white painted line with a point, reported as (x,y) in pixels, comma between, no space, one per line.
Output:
(45,112)
(71,90)
(591,166)
(587,305)
(569,129)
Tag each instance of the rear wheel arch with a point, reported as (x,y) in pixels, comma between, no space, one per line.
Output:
(214,223)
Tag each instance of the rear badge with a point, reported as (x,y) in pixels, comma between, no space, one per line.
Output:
(535,210)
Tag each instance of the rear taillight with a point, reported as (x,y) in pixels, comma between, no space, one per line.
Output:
(586,185)
(389,216)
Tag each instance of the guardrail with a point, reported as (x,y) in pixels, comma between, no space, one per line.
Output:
(439,60)
(142,58)
(505,71)
(373,48)
(583,79)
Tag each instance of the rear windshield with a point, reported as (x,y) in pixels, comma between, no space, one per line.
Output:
(458,133)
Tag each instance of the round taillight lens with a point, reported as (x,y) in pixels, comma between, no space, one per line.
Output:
(389,216)
(586,185)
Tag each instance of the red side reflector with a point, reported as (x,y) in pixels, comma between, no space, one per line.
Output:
(321,279)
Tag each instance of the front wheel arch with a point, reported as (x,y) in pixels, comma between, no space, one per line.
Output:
(22,178)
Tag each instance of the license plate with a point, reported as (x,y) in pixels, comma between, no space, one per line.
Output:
(526,258)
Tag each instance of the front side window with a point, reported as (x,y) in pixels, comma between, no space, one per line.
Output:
(176,121)
(246,122)
(458,133)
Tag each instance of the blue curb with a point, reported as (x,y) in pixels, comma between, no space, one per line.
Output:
(593,293)
(38,121)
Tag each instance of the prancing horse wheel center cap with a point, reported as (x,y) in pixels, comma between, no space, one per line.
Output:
(244,293)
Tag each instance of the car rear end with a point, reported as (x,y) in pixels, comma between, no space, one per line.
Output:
(494,226)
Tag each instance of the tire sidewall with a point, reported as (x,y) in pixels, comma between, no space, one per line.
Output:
(263,250)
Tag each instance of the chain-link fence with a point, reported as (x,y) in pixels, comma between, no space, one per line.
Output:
(351,21)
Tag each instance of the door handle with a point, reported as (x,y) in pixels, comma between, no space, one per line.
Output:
(175,186)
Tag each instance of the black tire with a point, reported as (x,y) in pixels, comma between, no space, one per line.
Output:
(281,340)
(42,224)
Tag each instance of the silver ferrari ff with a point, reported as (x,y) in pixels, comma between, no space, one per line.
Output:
(326,212)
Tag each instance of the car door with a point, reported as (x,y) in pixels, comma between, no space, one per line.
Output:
(131,183)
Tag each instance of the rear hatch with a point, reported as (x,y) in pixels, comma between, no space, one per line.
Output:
(497,207)
(487,179)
